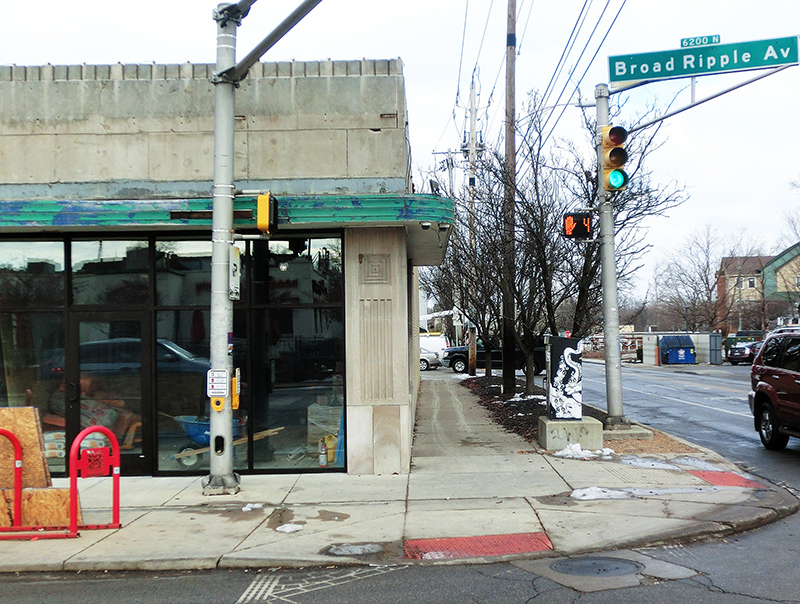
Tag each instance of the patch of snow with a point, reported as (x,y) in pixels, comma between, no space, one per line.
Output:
(574,451)
(594,493)
(698,464)
(600,493)
(648,462)
(349,549)
(289,528)
(252,506)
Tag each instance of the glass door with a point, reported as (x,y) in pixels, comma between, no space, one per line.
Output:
(108,383)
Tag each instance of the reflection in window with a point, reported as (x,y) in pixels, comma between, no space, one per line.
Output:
(182,360)
(791,356)
(771,354)
(183,272)
(32,357)
(110,272)
(298,271)
(297,385)
(31,274)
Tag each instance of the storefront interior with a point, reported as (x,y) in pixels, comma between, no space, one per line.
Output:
(115,332)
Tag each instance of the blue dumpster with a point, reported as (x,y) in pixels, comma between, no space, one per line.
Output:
(676,350)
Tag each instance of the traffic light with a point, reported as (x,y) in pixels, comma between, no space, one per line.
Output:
(267,213)
(614,157)
(578,225)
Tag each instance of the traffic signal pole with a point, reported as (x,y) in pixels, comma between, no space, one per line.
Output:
(221,479)
(608,263)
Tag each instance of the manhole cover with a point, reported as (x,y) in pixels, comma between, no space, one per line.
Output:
(597,567)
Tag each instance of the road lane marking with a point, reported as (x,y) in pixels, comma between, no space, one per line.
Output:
(678,400)
(286,587)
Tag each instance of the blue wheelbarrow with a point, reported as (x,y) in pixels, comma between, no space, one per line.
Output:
(199,432)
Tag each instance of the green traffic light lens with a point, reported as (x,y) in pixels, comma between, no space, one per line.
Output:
(617,179)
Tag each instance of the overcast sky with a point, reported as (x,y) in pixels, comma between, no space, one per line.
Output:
(736,155)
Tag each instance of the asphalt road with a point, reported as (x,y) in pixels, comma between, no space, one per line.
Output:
(704,405)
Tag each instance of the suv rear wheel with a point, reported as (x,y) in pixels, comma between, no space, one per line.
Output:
(768,429)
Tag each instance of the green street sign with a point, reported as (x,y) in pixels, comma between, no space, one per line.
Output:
(700,41)
(703,60)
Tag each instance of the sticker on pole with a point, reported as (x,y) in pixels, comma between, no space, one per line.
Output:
(217,383)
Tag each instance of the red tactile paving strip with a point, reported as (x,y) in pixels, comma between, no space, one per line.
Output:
(727,479)
(476,547)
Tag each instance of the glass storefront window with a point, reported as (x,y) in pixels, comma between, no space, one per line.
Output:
(32,356)
(183,273)
(297,385)
(182,360)
(288,342)
(298,271)
(31,274)
(110,272)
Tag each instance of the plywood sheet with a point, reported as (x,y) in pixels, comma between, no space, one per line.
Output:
(24,423)
(40,507)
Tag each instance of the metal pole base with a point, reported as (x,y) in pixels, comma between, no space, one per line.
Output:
(221,485)
(616,422)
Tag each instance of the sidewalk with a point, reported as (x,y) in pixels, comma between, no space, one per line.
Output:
(475,493)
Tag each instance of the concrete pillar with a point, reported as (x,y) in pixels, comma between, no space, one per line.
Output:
(376,323)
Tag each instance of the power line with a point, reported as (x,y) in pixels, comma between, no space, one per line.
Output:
(594,56)
(572,71)
(461,56)
(524,29)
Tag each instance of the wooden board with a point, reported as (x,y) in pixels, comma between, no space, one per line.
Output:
(24,423)
(40,507)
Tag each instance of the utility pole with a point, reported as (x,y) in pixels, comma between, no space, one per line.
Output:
(472,158)
(509,219)
(609,277)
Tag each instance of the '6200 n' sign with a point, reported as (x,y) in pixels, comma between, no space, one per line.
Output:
(719,58)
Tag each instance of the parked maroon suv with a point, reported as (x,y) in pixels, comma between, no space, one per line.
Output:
(775,397)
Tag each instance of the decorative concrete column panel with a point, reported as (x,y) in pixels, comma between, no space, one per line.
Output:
(376,315)
(360,448)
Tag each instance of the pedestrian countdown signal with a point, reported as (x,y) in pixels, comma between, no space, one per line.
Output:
(578,225)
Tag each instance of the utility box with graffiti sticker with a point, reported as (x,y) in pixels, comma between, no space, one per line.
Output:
(564,377)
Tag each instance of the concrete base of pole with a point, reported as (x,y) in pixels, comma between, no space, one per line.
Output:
(221,485)
(555,434)
(616,422)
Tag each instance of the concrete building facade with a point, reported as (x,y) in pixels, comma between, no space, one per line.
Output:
(105,179)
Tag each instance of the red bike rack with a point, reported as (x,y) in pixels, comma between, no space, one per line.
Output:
(16,530)
(16,521)
(90,463)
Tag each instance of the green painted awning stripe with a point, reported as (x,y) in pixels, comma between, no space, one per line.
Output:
(296,210)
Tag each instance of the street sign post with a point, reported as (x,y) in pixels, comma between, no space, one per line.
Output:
(703,60)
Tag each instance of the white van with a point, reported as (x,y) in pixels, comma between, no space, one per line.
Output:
(433,343)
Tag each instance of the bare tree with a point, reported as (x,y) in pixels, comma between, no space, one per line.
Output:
(557,283)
